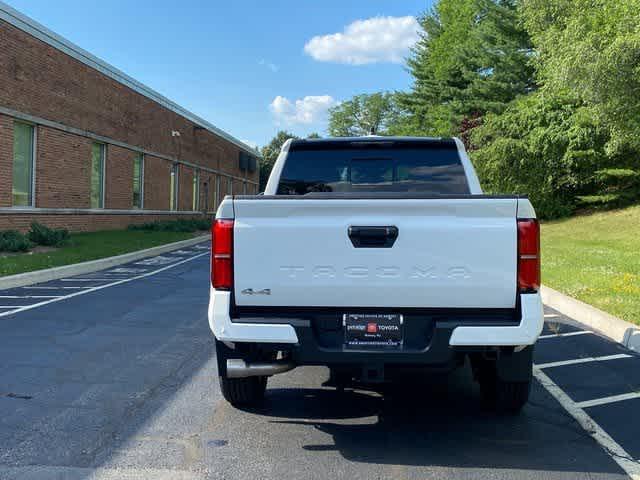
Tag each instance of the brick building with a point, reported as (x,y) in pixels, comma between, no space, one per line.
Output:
(86,147)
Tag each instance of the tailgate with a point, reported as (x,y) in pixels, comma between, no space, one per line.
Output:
(449,252)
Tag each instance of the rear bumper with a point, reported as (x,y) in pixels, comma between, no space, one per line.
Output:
(299,333)
(227,331)
(525,333)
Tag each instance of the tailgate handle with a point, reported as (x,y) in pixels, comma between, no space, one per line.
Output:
(373,237)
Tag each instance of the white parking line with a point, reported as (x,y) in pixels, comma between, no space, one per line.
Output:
(576,361)
(568,334)
(29,296)
(179,253)
(611,447)
(154,261)
(606,400)
(551,315)
(111,276)
(56,288)
(9,306)
(125,270)
(100,287)
(86,279)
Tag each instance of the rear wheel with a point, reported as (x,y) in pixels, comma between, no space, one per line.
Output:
(240,392)
(505,393)
(512,396)
(243,392)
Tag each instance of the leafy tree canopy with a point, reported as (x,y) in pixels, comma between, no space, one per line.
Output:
(545,147)
(473,57)
(364,114)
(592,49)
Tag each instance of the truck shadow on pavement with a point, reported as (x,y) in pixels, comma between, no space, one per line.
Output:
(438,421)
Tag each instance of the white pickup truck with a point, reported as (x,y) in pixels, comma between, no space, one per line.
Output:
(380,258)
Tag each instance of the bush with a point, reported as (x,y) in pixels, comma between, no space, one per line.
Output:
(613,188)
(182,225)
(43,235)
(13,241)
(203,223)
(548,148)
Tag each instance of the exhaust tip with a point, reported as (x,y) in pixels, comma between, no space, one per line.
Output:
(238,368)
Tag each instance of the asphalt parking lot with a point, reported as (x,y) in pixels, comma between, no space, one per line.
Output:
(112,375)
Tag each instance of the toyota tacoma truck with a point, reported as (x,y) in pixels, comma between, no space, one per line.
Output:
(380,258)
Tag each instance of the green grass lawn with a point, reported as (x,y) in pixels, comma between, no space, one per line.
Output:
(88,246)
(596,258)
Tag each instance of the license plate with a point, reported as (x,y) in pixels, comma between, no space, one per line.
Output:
(373,330)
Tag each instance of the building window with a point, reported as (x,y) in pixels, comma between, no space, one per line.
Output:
(138,180)
(97,175)
(23,161)
(173,190)
(196,191)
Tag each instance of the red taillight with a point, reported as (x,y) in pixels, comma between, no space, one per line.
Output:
(528,255)
(222,254)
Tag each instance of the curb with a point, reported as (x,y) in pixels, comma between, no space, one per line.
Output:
(39,276)
(615,328)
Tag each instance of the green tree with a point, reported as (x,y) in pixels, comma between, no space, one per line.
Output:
(364,114)
(548,147)
(270,153)
(473,58)
(592,48)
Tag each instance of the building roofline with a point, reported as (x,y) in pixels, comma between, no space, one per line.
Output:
(39,31)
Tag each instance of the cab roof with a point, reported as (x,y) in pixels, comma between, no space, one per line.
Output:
(372,141)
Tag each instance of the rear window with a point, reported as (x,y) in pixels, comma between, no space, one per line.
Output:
(435,170)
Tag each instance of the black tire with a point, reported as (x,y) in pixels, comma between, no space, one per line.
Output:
(512,396)
(486,377)
(239,392)
(501,395)
(243,392)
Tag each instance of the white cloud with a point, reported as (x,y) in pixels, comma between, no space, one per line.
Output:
(270,65)
(378,39)
(307,110)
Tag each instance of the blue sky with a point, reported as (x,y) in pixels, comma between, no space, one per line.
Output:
(243,65)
